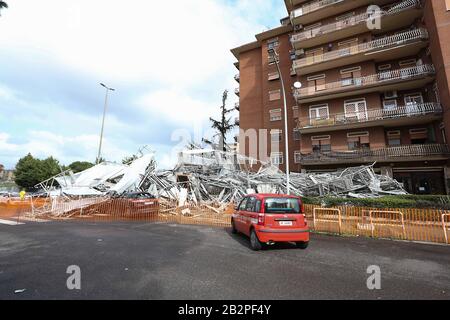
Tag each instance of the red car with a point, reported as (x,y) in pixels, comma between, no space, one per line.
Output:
(271,218)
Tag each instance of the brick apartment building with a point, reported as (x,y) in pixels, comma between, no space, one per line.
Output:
(368,94)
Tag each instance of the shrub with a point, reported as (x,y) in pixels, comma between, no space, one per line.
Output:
(402,201)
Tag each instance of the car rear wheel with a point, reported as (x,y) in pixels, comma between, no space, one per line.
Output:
(233,228)
(302,245)
(255,244)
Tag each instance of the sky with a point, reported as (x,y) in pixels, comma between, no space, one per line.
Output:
(169,62)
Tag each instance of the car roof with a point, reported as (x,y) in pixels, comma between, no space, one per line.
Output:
(271,195)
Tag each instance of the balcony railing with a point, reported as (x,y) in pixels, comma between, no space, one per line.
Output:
(389,154)
(410,110)
(236,91)
(381,78)
(355,20)
(382,43)
(237,77)
(313,6)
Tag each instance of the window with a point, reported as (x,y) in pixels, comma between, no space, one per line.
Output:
(276,135)
(250,206)
(350,76)
(317,113)
(273,76)
(274,95)
(282,205)
(358,140)
(412,99)
(316,83)
(393,138)
(355,110)
(407,63)
(312,30)
(297,157)
(272,43)
(271,58)
(275,115)
(243,204)
(297,135)
(314,56)
(295,112)
(384,67)
(276,158)
(436,92)
(321,143)
(418,136)
(348,47)
(447,5)
(390,104)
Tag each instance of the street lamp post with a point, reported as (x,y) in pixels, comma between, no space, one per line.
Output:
(286,130)
(103,120)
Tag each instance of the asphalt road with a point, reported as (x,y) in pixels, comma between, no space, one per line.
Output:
(161,261)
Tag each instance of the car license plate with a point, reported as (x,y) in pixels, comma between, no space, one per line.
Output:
(286,223)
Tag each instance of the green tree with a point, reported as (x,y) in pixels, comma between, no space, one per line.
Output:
(79,166)
(48,168)
(30,171)
(27,172)
(3,5)
(223,125)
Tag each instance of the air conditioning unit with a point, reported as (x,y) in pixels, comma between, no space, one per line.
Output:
(298,27)
(390,94)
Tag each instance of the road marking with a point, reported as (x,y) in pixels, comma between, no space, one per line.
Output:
(10,223)
(31,219)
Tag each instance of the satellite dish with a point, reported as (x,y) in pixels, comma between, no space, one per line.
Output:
(298,85)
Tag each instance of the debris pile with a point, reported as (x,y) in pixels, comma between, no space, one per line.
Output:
(215,179)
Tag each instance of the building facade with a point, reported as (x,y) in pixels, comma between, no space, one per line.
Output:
(374,78)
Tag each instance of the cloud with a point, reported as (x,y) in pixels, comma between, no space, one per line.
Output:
(176,106)
(67,149)
(172,41)
(168,60)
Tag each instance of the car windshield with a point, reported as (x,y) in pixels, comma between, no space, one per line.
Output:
(282,205)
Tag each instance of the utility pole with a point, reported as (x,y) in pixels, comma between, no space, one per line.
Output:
(286,129)
(103,121)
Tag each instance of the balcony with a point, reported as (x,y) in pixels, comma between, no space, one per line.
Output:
(237,77)
(237,106)
(420,152)
(320,9)
(400,79)
(402,115)
(388,48)
(399,14)
(236,91)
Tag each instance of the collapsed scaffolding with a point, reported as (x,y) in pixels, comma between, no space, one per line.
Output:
(204,177)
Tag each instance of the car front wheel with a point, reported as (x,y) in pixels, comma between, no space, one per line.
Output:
(255,244)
